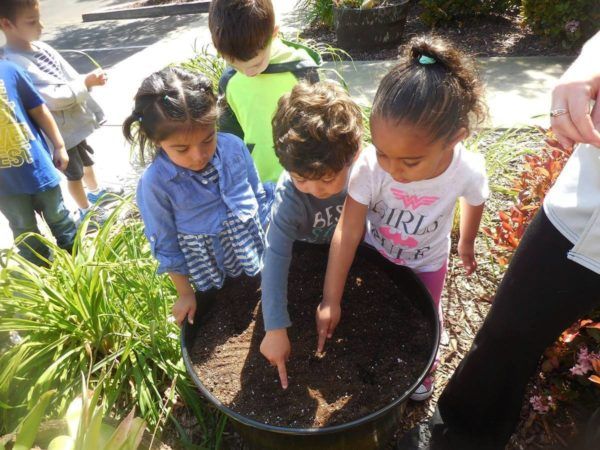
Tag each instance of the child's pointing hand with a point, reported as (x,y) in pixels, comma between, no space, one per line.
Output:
(328,317)
(276,348)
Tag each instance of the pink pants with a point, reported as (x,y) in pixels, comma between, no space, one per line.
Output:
(434,282)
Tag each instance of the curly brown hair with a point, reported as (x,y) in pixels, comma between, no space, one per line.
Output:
(434,87)
(317,129)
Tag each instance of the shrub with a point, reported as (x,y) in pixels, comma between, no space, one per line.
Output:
(572,21)
(317,12)
(103,311)
(440,12)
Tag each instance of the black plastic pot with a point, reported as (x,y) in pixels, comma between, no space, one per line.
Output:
(370,432)
(370,29)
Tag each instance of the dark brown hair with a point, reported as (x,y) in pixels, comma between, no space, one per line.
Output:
(434,87)
(167,102)
(9,9)
(241,28)
(317,129)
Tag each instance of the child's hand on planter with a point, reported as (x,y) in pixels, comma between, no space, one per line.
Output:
(328,317)
(276,348)
(184,307)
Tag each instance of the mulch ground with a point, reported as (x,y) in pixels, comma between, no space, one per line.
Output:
(501,35)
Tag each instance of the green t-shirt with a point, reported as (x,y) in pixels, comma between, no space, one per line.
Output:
(253,100)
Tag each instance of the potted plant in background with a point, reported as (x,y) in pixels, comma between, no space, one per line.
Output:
(368,24)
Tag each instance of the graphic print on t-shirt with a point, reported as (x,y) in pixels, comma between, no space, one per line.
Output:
(14,136)
(324,223)
(400,228)
(413,201)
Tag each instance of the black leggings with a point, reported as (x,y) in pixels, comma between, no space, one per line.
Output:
(542,293)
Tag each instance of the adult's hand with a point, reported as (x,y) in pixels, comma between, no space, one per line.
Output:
(574,119)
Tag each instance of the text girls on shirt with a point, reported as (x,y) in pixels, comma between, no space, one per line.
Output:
(410,223)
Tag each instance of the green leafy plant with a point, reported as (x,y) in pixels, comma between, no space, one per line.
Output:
(83,427)
(317,12)
(571,21)
(103,308)
(206,63)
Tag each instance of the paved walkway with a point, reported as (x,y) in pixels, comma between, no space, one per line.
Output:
(130,50)
(517,89)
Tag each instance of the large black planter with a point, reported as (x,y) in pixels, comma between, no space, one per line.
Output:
(370,432)
(370,29)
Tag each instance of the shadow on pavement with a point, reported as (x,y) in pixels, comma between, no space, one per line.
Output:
(110,42)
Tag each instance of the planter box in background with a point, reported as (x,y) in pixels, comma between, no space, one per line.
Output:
(370,29)
(125,12)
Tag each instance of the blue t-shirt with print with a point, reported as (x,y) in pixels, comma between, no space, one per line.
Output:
(26,165)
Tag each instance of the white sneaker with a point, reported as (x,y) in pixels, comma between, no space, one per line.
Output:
(424,391)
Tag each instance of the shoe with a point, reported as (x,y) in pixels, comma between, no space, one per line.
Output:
(98,215)
(424,391)
(93,198)
(444,338)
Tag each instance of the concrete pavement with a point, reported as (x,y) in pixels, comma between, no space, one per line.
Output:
(517,88)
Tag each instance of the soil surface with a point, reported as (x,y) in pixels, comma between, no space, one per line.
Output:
(500,35)
(380,348)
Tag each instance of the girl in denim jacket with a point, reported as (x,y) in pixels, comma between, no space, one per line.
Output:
(203,206)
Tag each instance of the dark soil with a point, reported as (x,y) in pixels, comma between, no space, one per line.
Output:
(501,35)
(380,348)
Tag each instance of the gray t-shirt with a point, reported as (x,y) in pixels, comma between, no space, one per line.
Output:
(295,216)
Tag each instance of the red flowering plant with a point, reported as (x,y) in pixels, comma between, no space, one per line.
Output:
(539,173)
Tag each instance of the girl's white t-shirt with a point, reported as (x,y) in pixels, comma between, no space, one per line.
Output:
(410,223)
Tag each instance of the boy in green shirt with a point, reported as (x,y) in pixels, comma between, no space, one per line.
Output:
(264,67)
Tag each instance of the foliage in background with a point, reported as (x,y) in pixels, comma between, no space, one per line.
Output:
(83,427)
(207,63)
(104,311)
(571,21)
(538,174)
(316,12)
(444,12)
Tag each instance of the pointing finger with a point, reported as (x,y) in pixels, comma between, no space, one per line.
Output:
(282,374)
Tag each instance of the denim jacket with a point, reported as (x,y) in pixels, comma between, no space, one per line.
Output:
(174,200)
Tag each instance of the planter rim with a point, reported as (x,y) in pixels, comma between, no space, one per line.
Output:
(376,8)
(315,430)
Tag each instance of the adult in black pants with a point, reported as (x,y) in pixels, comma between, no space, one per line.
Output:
(553,279)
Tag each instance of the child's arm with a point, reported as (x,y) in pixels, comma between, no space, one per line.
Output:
(348,234)
(61,96)
(470,218)
(185,306)
(159,228)
(287,214)
(42,116)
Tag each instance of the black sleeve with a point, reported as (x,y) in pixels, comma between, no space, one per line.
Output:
(228,122)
